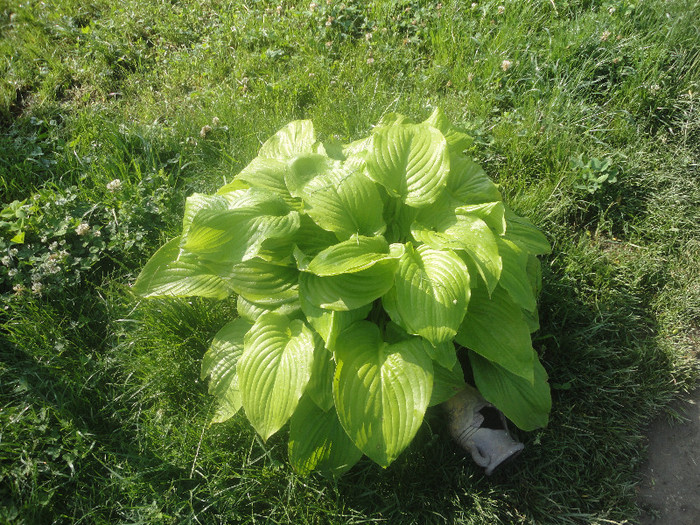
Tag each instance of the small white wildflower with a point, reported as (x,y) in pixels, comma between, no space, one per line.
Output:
(215,121)
(18,289)
(605,35)
(313,5)
(13,252)
(205,131)
(474,5)
(44,239)
(37,287)
(506,64)
(6,261)
(611,10)
(368,36)
(97,233)
(82,228)
(329,22)
(12,272)
(370,60)
(53,246)
(114,185)
(501,9)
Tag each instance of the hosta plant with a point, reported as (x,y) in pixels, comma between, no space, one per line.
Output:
(359,270)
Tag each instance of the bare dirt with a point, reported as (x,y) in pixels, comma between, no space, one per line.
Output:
(670,489)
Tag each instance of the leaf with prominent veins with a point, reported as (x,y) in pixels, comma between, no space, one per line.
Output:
(381,391)
(274,370)
(411,161)
(430,293)
(337,195)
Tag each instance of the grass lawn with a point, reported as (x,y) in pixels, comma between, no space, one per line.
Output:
(587,113)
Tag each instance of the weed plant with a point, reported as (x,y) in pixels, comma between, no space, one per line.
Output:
(102,416)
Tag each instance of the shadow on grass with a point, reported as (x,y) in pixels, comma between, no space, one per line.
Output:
(104,432)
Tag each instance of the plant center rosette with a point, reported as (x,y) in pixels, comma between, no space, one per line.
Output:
(359,270)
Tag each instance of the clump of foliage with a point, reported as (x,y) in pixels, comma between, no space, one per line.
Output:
(357,268)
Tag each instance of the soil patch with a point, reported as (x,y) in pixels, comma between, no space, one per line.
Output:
(670,489)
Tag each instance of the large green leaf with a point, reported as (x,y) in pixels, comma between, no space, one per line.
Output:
(219,364)
(460,231)
(274,370)
(446,383)
(177,273)
(268,174)
(469,184)
(337,195)
(457,141)
(356,254)
(350,290)
(494,328)
(264,283)
(515,278)
(237,234)
(320,387)
(197,202)
(526,235)
(317,441)
(525,403)
(411,161)
(294,139)
(251,311)
(492,213)
(430,293)
(381,391)
(330,323)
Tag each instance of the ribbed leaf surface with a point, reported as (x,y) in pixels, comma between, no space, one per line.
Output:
(177,273)
(525,403)
(265,283)
(348,291)
(526,235)
(381,391)
(514,278)
(237,234)
(274,370)
(317,441)
(430,293)
(337,196)
(295,138)
(470,234)
(410,161)
(330,323)
(219,364)
(356,254)
(494,328)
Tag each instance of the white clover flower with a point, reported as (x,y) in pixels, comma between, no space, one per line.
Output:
(501,9)
(215,121)
(82,228)
(18,288)
(12,272)
(6,261)
(13,252)
(506,64)
(97,233)
(114,185)
(205,131)
(37,287)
